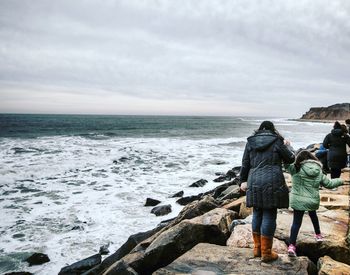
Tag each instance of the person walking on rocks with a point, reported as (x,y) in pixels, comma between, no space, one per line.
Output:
(336,142)
(267,191)
(307,177)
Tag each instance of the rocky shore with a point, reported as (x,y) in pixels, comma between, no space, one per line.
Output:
(328,114)
(212,235)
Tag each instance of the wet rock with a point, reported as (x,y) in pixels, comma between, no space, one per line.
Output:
(132,241)
(327,266)
(37,259)
(196,208)
(199,183)
(161,210)
(81,266)
(231,174)
(211,227)
(220,179)
(211,259)
(187,200)
(177,195)
(151,202)
(18,235)
(104,249)
(232,192)
(19,273)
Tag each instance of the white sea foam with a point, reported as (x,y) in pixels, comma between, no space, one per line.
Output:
(70,195)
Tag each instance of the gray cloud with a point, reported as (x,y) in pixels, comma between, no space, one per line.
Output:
(231,57)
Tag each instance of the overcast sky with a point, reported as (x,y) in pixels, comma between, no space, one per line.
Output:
(214,57)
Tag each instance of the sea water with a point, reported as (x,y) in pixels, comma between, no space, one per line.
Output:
(72,183)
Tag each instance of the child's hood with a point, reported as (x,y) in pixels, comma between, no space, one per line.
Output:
(311,168)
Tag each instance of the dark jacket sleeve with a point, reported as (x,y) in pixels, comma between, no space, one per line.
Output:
(286,154)
(326,142)
(245,165)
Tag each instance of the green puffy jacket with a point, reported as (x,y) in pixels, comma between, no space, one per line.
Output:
(305,195)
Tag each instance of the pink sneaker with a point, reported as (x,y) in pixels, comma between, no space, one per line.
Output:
(319,238)
(292,250)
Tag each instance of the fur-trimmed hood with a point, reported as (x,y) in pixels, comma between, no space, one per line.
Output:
(311,168)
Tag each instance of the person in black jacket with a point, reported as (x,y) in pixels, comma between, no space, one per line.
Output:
(336,143)
(262,161)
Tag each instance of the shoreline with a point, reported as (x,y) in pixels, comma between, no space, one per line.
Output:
(317,120)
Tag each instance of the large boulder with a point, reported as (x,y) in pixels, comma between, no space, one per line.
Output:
(241,237)
(232,192)
(210,259)
(132,242)
(37,259)
(81,266)
(327,266)
(212,227)
(334,227)
(161,210)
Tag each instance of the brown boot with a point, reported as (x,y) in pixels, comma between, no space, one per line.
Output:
(267,255)
(257,244)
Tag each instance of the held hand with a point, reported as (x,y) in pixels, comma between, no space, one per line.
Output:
(244,186)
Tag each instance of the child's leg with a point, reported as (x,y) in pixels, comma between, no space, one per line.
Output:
(315,222)
(297,221)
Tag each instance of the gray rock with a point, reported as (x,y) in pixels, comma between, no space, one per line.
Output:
(161,210)
(213,259)
(81,266)
(37,259)
(152,202)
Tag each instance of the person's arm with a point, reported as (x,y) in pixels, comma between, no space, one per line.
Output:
(290,168)
(286,153)
(330,183)
(245,165)
(326,142)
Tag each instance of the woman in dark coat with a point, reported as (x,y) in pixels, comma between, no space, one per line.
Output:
(336,142)
(262,162)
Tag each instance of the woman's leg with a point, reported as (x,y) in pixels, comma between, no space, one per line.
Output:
(268,227)
(335,173)
(256,225)
(297,221)
(315,222)
(257,219)
(268,224)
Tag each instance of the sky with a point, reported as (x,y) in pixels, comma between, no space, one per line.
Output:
(167,57)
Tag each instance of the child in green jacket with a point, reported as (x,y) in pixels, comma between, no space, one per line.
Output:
(307,176)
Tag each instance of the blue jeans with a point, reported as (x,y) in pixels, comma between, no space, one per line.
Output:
(297,221)
(264,221)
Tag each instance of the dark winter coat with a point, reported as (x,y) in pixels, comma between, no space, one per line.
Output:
(336,143)
(262,169)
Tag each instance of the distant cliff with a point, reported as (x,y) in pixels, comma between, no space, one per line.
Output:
(339,111)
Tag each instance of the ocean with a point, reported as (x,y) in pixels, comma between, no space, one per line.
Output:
(72,183)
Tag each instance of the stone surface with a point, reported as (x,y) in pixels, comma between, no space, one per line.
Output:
(241,237)
(212,227)
(152,202)
(161,210)
(199,183)
(188,199)
(231,192)
(334,227)
(245,211)
(37,259)
(327,266)
(132,241)
(81,266)
(215,259)
(177,195)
